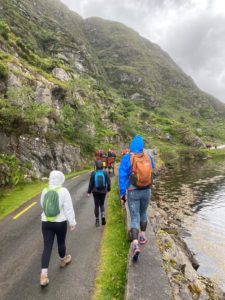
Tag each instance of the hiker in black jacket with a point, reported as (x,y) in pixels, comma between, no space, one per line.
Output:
(99,185)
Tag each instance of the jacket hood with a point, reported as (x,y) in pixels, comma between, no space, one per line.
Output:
(99,165)
(56,178)
(137,144)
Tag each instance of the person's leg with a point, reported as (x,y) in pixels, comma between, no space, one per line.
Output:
(144,202)
(48,237)
(97,204)
(102,207)
(61,230)
(134,208)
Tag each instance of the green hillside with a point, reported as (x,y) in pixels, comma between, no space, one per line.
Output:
(69,86)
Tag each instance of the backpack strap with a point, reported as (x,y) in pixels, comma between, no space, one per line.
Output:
(56,189)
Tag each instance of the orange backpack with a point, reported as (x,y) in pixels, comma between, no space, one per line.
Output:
(141,169)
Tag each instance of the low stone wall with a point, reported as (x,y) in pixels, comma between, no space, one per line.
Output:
(179,262)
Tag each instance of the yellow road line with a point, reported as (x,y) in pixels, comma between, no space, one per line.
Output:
(24,210)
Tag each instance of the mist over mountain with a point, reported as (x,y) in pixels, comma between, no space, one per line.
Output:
(69,85)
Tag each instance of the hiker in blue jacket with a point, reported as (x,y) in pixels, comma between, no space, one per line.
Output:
(99,185)
(138,197)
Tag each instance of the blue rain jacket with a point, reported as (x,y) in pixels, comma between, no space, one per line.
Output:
(136,146)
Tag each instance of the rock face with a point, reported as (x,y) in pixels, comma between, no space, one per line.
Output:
(61,74)
(13,81)
(179,262)
(42,156)
(43,94)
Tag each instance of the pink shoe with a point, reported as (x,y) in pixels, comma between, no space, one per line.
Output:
(143,240)
(136,252)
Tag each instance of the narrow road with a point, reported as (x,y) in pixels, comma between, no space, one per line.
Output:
(21,248)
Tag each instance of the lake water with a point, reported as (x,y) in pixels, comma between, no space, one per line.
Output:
(199,191)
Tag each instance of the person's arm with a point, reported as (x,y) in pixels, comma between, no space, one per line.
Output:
(108,182)
(91,183)
(152,162)
(124,172)
(153,166)
(68,208)
(42,197)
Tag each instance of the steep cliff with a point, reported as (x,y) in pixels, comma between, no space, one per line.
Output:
(69,85)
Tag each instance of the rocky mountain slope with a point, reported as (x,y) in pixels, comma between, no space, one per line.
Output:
(69,85)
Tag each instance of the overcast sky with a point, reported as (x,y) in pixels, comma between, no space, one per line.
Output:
(191,31)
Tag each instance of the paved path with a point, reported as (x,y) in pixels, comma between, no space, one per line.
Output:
(21,248)
(147,279)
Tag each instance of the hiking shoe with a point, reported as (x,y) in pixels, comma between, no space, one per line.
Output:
(97,223)
(65,261)
(103,221)
(135,252)
(142,240)
(44,280)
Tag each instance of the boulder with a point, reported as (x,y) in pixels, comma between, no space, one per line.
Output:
(61,74)
(43,94)
(13,81)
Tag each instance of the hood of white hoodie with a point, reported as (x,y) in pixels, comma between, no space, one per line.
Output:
(56,178)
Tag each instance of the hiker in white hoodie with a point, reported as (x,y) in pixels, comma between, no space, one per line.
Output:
(56,225)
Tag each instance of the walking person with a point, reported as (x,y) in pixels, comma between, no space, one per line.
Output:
(135,178)
(57,210)
(99,185)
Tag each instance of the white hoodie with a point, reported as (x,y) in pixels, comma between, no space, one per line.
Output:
(56,179)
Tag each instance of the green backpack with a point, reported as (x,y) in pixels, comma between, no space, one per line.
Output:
(51,204)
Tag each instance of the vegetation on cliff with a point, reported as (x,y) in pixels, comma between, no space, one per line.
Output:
(94,82)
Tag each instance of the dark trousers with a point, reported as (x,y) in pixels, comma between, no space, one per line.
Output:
(49,230)
(99,202)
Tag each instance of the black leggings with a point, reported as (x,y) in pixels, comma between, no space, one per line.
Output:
(49,230)
(99,201)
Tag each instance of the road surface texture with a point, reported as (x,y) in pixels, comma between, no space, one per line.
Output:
(22,245)
(147,279)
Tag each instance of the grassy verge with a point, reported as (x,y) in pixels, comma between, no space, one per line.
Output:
(111,279)
(14,197)
(216,153)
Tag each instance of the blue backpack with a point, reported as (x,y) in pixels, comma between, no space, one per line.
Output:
(100,183)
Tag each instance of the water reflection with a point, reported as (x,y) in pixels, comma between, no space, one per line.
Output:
(196,193)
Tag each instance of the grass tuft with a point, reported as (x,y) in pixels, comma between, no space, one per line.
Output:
(111,279)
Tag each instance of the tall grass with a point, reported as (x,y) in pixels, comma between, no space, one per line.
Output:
(111,279)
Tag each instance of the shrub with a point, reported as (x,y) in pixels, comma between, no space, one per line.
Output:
(14,173)
(3,71)
(4,30)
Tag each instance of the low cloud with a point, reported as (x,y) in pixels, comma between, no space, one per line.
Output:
(191,31)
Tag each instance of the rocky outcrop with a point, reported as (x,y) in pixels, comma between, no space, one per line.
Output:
(41,155)
(189,138)
(179,262)
(13,81)
(43,94)
(61,74)
(130,78)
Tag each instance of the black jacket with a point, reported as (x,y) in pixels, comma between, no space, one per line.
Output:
(91,187)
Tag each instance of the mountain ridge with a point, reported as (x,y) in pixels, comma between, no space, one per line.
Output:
(86,83)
